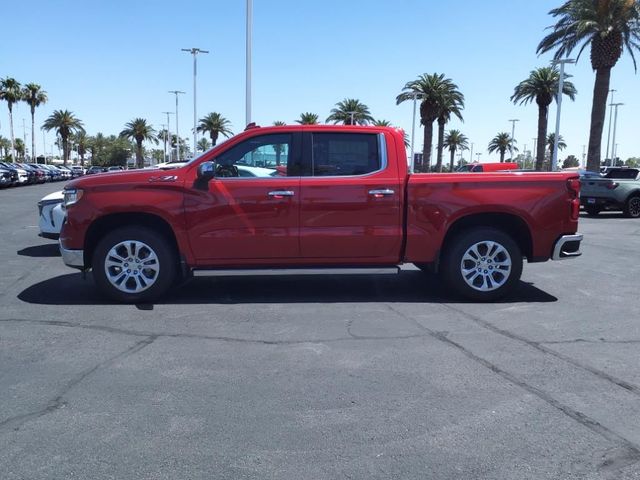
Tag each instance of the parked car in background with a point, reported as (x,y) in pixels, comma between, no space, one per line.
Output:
(115,168)
(95,169)
(36,175)
(54,174)
(77,170)
(487,167)
(6,177)
(618,189)
(51,215)
(23,178)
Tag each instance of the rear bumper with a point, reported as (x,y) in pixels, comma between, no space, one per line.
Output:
(599,202)
(567,246)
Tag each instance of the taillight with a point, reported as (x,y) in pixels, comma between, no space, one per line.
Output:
(612,185)
(573,184)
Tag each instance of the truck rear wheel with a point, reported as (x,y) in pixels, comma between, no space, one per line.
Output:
(632,207)
(482,264)
(133,264)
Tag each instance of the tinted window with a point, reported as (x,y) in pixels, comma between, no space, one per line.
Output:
(622,174)
(337,154)
(256,157)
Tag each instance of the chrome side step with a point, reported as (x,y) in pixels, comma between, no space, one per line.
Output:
(296,271)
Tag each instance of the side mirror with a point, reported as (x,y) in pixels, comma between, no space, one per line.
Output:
(206,171)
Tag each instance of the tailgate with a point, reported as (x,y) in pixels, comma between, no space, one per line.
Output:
(596,187)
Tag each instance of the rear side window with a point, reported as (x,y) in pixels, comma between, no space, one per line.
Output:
(342,154)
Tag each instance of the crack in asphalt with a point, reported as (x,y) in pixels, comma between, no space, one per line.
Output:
(540,347)
(142,333)
(603,341)
(576,415)
(58,402)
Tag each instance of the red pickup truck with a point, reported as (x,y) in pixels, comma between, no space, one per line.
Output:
(315,199)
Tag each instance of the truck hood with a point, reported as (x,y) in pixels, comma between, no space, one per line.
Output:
(126,178)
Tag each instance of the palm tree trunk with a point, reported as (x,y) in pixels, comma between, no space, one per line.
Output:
(502,152)
(33,135)
(453,153)
(13,139)
(214,137)
(598,112)
(441,124)
(428,142)
(65,150)
(139,161)
(543,112)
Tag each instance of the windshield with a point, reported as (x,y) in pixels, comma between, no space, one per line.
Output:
(191,160)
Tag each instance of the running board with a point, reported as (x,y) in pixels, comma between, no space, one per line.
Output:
(296,271)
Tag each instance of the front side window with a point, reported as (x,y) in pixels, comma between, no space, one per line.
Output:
(258,157)
(341,154)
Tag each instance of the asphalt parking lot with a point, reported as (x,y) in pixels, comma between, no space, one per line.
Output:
(363,377)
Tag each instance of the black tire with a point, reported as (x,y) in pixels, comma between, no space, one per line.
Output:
(491,280)
(632,207)
(157,281)
(591,210)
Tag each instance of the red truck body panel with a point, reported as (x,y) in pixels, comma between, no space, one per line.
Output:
(326,220)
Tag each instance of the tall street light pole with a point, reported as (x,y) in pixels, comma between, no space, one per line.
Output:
(513,132)
(562,62)
(248,60)
(610,118)
(413,131)
(615,125)
(471,153)
(169,134)
(195,51)
(176,93)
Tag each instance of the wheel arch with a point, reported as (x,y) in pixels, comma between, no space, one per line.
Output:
(511,224)
(107,223)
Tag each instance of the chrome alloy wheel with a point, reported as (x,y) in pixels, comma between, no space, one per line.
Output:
(634,207)
(486,266)
(131,266)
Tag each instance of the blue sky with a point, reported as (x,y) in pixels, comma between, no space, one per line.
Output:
(112,61)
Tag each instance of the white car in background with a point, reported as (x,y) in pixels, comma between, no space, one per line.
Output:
(51,215)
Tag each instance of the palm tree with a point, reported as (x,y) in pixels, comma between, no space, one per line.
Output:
(204,144)
(308,118)
(216,125)
(279,123)
(381,123)
(608,26)
(350,111)
(64,123)
(11,93)
(20,150)
(82,141)
(5,145)
(452,103)
(455,140)
(551,138)
(139,130)
(430,89)
(34,96)
(501,143)
(542,86)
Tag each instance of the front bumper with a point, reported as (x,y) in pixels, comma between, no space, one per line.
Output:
(567,246)
(72,258)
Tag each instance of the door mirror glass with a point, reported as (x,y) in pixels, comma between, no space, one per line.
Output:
(206,170)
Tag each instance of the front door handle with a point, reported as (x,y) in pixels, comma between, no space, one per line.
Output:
(381,193)
(281,193)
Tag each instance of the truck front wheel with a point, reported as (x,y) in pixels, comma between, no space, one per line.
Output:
(133,264)
(482,264)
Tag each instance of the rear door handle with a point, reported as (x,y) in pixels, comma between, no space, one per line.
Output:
(281,193)
(381,193)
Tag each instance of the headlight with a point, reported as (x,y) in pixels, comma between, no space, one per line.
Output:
(71,196)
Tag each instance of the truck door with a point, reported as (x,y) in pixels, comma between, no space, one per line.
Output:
(249,211)
(350,207)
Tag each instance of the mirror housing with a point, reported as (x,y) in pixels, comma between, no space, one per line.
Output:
(206,171)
